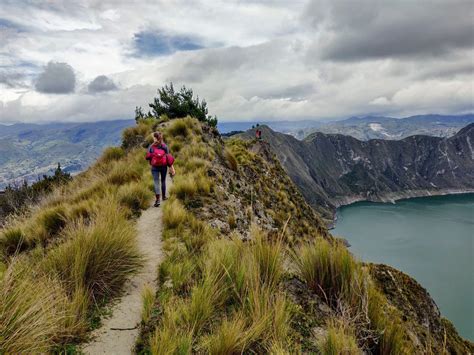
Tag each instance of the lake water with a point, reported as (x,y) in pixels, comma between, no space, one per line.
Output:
(429,238)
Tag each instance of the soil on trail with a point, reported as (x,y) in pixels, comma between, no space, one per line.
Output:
(118,333)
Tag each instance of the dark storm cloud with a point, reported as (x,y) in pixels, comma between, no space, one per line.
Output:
(367,30)
(100,84)
(57,78)
(148,43)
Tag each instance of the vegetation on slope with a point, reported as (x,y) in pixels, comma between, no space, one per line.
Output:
(15,199)
(249,266)
(70,254)
(228,285)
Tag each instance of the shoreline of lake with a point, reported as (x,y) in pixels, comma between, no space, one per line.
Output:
(427,237)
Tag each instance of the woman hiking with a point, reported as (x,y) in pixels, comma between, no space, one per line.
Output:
(159,157)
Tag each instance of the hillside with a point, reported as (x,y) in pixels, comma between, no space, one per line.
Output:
(248,267)
(332,170)
(379,127)
(28,151)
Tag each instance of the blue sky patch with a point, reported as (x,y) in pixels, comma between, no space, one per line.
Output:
(149,43)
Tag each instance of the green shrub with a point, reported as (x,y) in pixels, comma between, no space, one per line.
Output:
(180,104)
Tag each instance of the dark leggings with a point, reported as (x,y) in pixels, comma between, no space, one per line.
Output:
(159,179)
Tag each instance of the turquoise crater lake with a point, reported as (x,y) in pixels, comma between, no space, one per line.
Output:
(429,238)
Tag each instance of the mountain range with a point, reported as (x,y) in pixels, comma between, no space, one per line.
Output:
(365,128)
(27,151)
(333,170)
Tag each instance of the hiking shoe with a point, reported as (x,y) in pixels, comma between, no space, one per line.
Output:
(165,198)
(157,203)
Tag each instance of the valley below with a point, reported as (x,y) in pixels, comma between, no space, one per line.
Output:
(430,238)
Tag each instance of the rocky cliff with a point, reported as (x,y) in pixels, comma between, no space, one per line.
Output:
(333,170)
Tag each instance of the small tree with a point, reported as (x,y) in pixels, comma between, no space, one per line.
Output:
(140,115)
(176,104)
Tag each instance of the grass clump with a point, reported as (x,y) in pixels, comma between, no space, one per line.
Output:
(340,339)
(330,271)
(13,241)
(230,160)
(31,312)
(174,213)
(48,223)
(135,196)
(96,257)
(179,128)
(112,153)
(148,300)
(230,337)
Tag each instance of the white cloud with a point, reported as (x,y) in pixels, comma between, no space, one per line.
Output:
(276,60)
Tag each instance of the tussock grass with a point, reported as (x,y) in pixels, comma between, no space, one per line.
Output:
(230,337)
(230,159)
(240,151)
(340,339)
(148,300)
(137,135)
(330,271)
(179,128)
(48,223)
(190,185)
(122,174)
(136,196)
(12,241)
(168,341)
(174,213)
(96,257)
(179,271)
(112,153)
(31,311)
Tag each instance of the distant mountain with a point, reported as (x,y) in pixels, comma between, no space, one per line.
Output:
(333,169)
(372,127)
(31,150)
(279,126)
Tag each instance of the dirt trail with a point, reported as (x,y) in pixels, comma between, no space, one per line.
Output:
(118,333)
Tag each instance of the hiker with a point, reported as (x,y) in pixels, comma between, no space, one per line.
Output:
(160,159)
(258,134)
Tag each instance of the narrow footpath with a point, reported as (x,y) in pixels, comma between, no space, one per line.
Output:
(118,334)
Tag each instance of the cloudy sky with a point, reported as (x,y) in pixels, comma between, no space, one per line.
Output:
(88,60)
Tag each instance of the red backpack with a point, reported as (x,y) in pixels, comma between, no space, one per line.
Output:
(158,156)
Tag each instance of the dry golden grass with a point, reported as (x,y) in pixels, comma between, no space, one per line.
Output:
(340,339)
(98,256)
(148,299)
